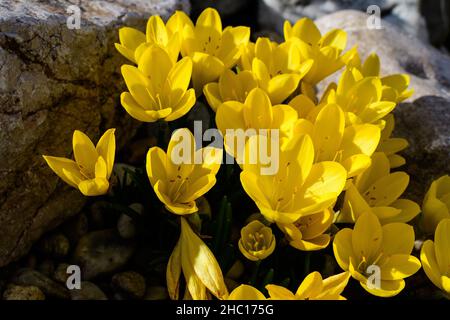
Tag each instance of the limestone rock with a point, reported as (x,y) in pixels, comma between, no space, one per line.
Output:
(101,252)
(23,293)
(424,118)
(403,13)
(88,291)
(28,277)
(54,80)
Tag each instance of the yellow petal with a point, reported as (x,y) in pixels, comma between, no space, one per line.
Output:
(343,248)
(84,152)
(376,111)
(246,292)
(429,263)
(386,189)
(206,69)
(210,18)
(106,148)
(302,104)
(367,237)
(61,166)
(409,210)
(184,105)
(318,243)
(334,38)
(179,77)
(324,183)
(281,86)
(138,113)
(387,288)
(94,187)
(279,293)
(173,272)
(155,64)
(196,253)
(156,30)
(398,238)
(310,287)
(356,164)
(137,84)
(442,246)
(101,169)
(328,132)
(130,39)
(399,266)
(306,30)
(155,164)
(362,138)
(334,285)
(261,73)
(371,67)
(380,167)
(212,94)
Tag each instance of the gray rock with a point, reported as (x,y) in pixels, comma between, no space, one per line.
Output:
(130,283)
(403,13)
(54,80)
(102,252)
(88,291)
(27,277)
(424,118)
(225,7)
(23,293)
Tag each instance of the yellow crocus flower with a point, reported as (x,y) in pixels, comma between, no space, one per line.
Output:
(377,190)
(255,113)
(394,86)
(313,287)
(435,256)
(179,182)
(246,292)
(212,49)
(158,88)
(360,97)
(278,68)
(199,266)
(351,146)
(325,51)
(257,241)
(92,167)
(436,204)
(307,233)
(370,247)
(298,188)
(231,87)
(167,36)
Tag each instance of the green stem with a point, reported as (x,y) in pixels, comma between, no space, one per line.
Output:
(252,281)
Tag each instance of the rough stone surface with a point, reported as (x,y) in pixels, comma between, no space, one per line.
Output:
(101,252)
(88,291)
(424,118)
(403,13)
(23,293)
(130,283)
(28,277)
(54,80)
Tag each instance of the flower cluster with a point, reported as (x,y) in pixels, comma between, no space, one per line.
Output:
(335,155)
